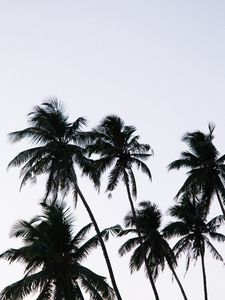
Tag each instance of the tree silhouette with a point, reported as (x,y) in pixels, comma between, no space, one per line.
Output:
(194,232)
(52,255)
(119,149)
(206,168)
(60,146)
(158,251)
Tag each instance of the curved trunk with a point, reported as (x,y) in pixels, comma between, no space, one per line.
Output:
(220,202)
(100,240)
(141,241)
(204,275)
(178,282)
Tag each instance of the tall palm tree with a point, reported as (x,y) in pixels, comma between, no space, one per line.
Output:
(157,248)
(52,255)
(59,147)
(206,168)
(194,232)
(119,149)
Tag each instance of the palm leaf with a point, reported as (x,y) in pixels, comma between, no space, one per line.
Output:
(213,250)
(98,282)
(128,246)
(143,167)
(175,229)
(136,260)
(24,287)
(115,174)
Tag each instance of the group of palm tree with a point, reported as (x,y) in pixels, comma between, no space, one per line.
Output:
(52,253)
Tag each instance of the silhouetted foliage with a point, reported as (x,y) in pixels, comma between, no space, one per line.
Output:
(158,251)
(206,168)
(194,231)
(52,255)
(60,146)
(119,149)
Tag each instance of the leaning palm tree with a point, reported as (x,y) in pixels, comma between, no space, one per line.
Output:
(59,146)
(158,251)
(206,168)
(52,255)
(194,232)
(119,148)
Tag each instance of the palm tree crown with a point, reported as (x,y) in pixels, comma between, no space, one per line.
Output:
(52,255)
(158,250)
(206,168)
(59,147)
(118,147)
(193,227)
(194,231)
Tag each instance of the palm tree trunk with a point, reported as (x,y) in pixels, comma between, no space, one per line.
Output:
(220,202)
(204,275)
(112,277)
(179,283)
(141,240)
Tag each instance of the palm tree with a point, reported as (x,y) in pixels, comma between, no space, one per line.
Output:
(194,232)
(119,148)
(206,168)
(158,251)
(59,146)
(52,255)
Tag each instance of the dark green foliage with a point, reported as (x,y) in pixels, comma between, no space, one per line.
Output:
(52,255)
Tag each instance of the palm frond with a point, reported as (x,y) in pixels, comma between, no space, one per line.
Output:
(128,246)
(221,159)
(114,176)
(184,244)
(173,229)
(36,135)
(24,287)
(46,292)
(137,260)
(217,236)
(89,278)
(81,234)
(213,250)
(24,156)
(211,127)
(143,166)
(127,231)
(181,163)
(216,222)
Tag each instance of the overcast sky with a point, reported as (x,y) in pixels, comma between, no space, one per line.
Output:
(160,65)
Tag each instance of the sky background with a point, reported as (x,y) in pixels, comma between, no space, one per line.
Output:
(159,65)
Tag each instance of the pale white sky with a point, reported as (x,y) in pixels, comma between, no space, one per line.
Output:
(160,65)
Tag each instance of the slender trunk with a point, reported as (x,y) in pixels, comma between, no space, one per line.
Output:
(204,275)
(220,202)
(179,283)
(100,240)
(141,241)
